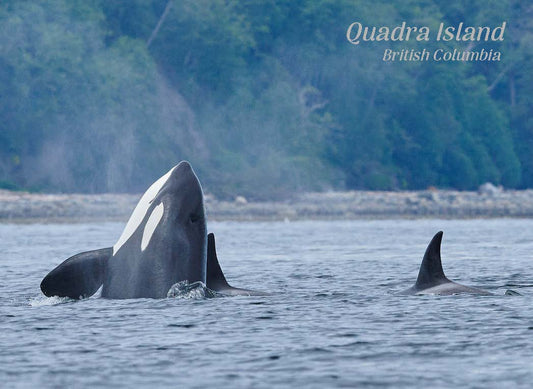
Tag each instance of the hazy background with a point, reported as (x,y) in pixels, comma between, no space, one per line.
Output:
(265,98)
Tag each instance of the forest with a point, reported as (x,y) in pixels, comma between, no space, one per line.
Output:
(264,98)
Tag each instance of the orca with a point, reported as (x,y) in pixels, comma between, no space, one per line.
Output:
(431,278)
(164,242)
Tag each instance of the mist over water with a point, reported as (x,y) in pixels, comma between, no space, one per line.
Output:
(333,319)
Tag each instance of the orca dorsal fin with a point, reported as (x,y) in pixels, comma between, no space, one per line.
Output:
(215,279)
(431,272)
(79,276)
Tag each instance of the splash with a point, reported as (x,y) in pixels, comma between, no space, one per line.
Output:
(196,290)
(42,301)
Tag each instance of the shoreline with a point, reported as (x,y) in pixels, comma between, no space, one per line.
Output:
(446,204)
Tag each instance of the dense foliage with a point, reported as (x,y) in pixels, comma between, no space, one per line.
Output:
(265,97)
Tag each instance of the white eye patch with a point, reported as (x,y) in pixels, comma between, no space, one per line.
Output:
(151,225)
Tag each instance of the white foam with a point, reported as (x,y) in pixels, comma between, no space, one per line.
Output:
(140,210)
(184,290)
(151,225)
(42,301)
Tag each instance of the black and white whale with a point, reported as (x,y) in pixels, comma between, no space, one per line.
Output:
(431,278)
(164,242)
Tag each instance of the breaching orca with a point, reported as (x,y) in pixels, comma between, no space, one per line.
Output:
(431,278)
(164,242)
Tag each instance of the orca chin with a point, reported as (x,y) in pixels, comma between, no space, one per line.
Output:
(164,244)
(431,278)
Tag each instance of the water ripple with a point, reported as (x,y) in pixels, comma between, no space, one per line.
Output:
(334,320)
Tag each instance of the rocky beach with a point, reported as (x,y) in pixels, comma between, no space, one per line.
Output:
(488,202)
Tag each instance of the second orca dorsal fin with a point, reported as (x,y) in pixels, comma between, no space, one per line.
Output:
(431,272)
(79,276)
(215,279)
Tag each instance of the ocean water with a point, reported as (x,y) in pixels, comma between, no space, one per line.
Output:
(333,319)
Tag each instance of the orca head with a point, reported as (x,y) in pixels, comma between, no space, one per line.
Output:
(183,194)
(182,224)
(165,239)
